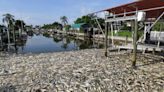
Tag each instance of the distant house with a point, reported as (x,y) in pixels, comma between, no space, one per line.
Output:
(80,26)
(85,28)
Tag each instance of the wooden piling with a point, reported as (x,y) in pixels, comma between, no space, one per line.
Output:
(126,40)
(153,51)
(1,40)
(112,34)
(14,37)
(8,36)
(135,44)
(106,39)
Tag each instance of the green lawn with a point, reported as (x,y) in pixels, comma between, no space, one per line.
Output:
(126,33)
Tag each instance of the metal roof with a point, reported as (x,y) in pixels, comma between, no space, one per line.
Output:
(77,25)
(153,7)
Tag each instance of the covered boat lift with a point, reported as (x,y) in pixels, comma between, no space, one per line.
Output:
(147,12)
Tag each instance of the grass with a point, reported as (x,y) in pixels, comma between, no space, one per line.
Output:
(126,33)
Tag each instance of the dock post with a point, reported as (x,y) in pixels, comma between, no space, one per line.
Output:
(1,40)
(159,35)
(153,51)
(135,44)
(14,37)
(126,40)
(106,39)
(8,36)
(112,34)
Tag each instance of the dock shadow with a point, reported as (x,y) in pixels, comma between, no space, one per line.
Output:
(8,88)
(154,60)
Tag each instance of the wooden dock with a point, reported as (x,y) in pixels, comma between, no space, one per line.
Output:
(142,47)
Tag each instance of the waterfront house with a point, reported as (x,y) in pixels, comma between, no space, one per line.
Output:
(83,28)
(80,27)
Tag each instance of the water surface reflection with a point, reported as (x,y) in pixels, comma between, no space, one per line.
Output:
(56,43)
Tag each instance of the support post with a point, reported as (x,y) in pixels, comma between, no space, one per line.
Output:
(21,27)
(159,35)
(106,39)
(135,44)
(8,36)
(153,52)
(112,34)
(14,38)
(126,40)
(1,40)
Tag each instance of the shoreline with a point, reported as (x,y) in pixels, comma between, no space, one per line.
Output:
(81,71)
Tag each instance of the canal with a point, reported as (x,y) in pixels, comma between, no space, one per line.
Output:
(55,43)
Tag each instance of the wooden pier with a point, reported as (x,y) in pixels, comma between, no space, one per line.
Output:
(142,47)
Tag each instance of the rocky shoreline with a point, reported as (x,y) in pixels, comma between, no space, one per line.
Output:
(81,71)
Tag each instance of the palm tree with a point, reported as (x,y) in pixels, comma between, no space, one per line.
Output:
(19,25)
(64,20)
(9,20)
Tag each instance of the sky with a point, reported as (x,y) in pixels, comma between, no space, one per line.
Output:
(39,12)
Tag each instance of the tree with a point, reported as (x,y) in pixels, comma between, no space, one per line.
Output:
(67,27)
(55,25)
(159,26)
(9,20)
(84,19)
(90,20)
(64,20)
(19,24)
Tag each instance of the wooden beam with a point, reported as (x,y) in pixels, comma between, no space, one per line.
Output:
(121,18)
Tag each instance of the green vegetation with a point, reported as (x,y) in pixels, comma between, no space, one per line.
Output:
(90,20)
(67,27)
(126,33)
(12,24)
(57,39)
(64,21)
(46,34)
(19,24)
(55,25)
(9,20)
(159,26)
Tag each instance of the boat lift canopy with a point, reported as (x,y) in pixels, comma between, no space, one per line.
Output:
(147,11)
(153,8)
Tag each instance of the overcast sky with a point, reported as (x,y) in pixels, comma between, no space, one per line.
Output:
(39,12)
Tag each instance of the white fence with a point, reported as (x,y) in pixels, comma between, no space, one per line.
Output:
(155,36)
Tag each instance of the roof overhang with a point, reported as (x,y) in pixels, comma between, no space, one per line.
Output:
(153,8)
